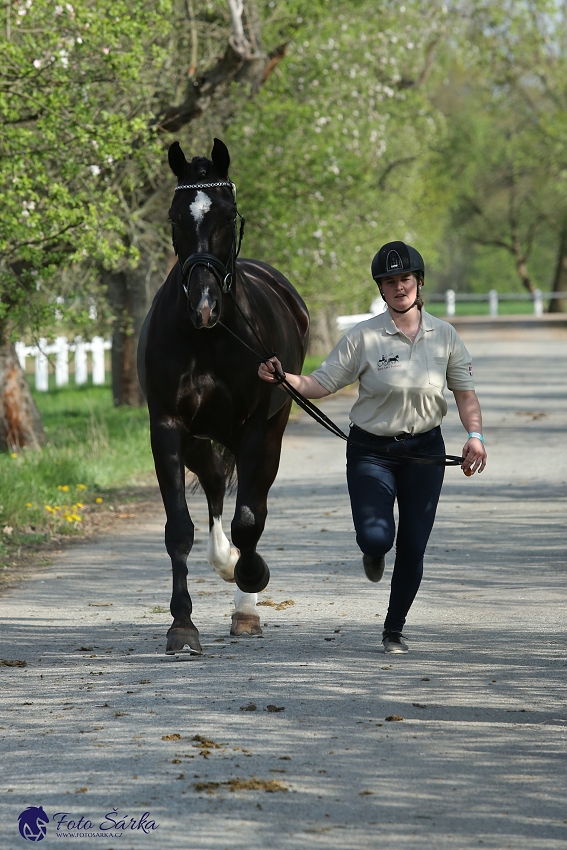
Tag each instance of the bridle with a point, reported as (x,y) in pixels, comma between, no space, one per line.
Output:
(225,273)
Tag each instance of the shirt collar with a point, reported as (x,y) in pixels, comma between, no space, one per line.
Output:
(390,325)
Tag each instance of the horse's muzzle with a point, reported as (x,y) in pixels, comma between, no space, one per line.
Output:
(206,314)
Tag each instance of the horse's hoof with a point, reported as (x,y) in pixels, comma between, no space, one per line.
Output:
(245,624)
(183,641)
(257,584)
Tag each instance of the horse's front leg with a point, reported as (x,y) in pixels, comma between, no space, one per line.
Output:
(258,458)
(167,447)
(207,464)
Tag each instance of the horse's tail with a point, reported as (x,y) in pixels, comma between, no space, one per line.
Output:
(228,469)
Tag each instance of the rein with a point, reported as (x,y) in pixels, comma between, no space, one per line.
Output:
(324,420)
(226,275)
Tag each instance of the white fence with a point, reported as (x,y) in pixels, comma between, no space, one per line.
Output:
(345,323)
(450,297)
(61,348)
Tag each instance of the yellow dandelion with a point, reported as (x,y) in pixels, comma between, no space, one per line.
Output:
(63,487)
(77,518)
(79,505)
(14,454)
(99,500)
(29,505)
(69,518)
(82,487)
(56,508)
(49,508)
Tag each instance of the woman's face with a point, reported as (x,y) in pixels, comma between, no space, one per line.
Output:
(399,290)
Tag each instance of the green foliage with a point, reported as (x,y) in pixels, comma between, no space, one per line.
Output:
(332,156)
(505,152)
(440,125)
(68,122)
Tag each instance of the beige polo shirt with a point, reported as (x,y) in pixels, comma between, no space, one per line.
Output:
(401,383)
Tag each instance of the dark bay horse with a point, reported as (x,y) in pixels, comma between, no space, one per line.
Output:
(205,399)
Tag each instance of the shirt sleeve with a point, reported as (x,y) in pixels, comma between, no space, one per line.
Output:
(459,367)
(341,367)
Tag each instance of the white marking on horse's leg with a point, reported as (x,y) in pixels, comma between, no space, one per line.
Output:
(220,554)
(245,620)
(200,207)
(245,603)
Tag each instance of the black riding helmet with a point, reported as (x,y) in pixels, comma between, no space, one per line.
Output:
(396,258)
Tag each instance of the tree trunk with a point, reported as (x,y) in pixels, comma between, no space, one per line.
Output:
(20,422)
(129,293)
(559,305)
(323,333)
(521,264)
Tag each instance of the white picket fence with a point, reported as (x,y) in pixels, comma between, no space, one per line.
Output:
(493,297)
(61,348)
(345,323)
(450,297)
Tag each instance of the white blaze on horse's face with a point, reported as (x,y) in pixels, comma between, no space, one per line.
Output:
(200,207)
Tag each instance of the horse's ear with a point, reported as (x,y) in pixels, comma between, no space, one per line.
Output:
(220,157)
(177,161)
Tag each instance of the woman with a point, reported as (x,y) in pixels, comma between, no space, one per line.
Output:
(403,359)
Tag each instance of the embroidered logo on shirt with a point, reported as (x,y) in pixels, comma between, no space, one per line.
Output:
(470,371)
(389,362)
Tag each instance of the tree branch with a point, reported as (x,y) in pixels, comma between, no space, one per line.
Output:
(239,41)
(389,168)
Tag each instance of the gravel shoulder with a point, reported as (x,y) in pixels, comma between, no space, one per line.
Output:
(99,719)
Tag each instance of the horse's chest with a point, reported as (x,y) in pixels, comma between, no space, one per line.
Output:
(205,406)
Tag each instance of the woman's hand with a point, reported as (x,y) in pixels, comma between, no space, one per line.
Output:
(267,370)
(474,455)
(305,384)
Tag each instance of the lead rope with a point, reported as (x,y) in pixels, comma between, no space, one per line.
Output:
(322,418)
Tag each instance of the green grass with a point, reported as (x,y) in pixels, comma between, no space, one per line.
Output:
(312,361)
(92,448)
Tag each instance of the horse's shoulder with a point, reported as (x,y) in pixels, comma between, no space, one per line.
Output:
(260,275)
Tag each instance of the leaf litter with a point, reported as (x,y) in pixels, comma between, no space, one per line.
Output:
(270,786)
(279,606)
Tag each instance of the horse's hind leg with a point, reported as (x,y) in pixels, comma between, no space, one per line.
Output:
(220,554)
(207,464)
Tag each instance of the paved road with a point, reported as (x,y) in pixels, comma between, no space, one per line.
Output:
(100,719)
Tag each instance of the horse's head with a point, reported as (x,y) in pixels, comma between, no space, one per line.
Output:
(203,218)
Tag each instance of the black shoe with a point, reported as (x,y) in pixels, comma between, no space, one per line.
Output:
(374,566)
(394,641)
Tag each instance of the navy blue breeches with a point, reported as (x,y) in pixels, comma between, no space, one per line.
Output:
(374,483)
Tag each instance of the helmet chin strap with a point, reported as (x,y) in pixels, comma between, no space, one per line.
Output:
(401,312)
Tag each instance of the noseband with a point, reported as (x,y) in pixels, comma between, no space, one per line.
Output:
(224,273)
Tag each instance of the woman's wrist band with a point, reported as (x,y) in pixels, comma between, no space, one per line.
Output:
(477,435)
